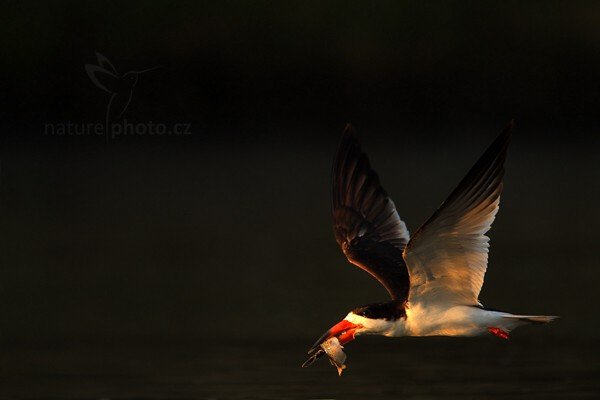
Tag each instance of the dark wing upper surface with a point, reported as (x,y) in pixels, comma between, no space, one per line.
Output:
(447,256)
(365,221)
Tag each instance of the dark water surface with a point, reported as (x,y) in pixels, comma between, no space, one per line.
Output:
(405,368)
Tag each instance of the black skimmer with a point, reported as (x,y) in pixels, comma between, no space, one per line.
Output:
(435,276)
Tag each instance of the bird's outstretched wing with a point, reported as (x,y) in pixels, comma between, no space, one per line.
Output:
(365,221)
(447,256)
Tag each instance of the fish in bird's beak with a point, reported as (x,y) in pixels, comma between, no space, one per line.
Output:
(335,352)
(331,344)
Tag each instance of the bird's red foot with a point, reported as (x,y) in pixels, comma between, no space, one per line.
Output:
(498,332)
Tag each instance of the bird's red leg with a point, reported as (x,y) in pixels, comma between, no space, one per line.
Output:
(498,332)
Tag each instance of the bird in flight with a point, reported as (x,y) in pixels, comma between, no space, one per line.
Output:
(435,276)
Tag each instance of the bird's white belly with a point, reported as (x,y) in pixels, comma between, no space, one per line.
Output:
(446,321)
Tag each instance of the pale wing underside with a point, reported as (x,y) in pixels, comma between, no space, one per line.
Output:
(447,257)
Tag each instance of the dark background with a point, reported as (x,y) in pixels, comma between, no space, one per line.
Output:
(225,234)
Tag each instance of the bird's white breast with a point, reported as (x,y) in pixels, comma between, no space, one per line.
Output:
(441,320)
(431,320)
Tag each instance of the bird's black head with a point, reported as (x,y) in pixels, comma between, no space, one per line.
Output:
(389,311)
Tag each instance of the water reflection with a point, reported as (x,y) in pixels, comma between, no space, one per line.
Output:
(377,368)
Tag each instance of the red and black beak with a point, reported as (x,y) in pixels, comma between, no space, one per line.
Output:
(343,330)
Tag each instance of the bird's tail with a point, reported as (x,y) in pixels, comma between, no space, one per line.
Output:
(530,319)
